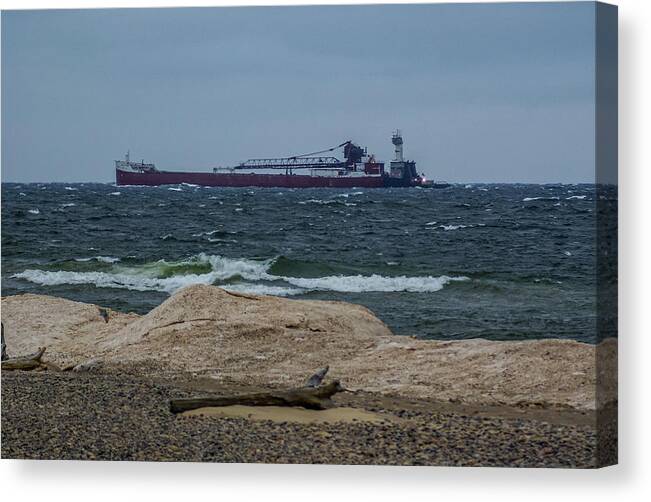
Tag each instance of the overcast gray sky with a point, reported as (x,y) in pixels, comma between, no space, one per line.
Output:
(482,92)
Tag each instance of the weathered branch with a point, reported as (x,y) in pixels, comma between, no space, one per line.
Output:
(317,398)
(25,363)
(4,346)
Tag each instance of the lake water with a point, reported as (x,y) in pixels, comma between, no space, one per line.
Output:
(471,261)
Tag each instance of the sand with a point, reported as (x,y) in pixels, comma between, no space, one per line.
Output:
(297,415)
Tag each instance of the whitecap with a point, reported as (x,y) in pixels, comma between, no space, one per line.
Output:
(114,193)
(103,259)
(373,283)
(528,199)
(34,211)
(70,188)
(22,194)
(580,197)
(346,195)
(319,201)
(175,189)
(210,239)
(452,227)
(200,234)
(262,289)
(431,223)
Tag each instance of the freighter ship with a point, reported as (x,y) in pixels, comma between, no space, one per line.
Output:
(311,170)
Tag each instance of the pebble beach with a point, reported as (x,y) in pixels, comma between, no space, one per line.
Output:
(110,417)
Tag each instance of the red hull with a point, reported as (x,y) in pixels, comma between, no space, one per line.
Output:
(246,180)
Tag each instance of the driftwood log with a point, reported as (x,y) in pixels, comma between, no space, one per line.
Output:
(28,363)
(317,398)
(25,363)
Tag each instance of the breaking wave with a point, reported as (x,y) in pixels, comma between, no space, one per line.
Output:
(241,275)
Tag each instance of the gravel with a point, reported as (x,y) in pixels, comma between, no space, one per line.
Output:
(117,417)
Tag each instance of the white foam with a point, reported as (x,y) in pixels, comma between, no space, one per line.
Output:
(146,278)
(263,289)
(115,193)
(431,223)
(175,189)
(318,201)
(528,199)
(200,234)
(111,280)
(34,211)
(378,283)
(69,204)
(346,195)
(22,194)
(580,197)
(103,259)
(452,227)
(216,239)
(70,188)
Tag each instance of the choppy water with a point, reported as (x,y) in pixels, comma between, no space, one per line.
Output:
(490,261)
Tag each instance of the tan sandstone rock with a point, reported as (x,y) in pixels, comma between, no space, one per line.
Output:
(263,340)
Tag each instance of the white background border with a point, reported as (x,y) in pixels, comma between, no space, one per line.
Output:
(54,481)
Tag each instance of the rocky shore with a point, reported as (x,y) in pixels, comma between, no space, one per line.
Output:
(472,402)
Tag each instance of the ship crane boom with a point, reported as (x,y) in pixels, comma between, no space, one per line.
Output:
(292,163)
(310,160)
